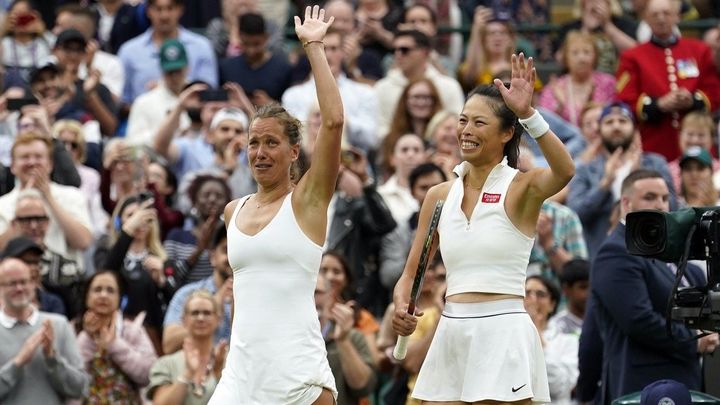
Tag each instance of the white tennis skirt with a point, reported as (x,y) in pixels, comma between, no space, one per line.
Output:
(484,351)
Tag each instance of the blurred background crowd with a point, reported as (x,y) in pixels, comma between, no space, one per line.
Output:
(123,134)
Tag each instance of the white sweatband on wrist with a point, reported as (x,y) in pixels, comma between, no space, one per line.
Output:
(536,125)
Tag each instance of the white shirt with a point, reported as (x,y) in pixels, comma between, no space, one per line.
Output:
(147,114)
(111,69)
(398,199)
(9,322)
(105,23)
(390,88)
(71,199)
(359,102)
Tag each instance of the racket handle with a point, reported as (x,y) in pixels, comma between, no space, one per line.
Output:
(401,347)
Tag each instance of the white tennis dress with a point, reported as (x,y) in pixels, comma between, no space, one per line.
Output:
(277,354)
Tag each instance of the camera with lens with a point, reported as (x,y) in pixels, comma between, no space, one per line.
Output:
(676,237)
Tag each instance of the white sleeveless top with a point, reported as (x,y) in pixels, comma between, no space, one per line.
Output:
(277,353)
(487,253)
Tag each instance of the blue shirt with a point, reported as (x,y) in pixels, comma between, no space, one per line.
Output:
(174,312)
(141,61)
(194,154)
(274,76)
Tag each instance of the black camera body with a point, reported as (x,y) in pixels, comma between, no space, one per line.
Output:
(676,237)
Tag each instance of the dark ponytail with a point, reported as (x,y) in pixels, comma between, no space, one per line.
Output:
(508,120)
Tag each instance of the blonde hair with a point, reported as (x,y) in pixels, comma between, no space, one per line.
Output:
(202,293)
(76,128)
(435,122)
(700,119)
(153,243)
(28,137)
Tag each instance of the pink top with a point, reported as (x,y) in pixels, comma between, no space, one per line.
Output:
(558,95)
(132,350)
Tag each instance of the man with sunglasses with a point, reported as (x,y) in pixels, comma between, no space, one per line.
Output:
(68,226)
(56,274)
(412,61)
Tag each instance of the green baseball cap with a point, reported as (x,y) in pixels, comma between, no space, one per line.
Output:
(696,153)
(172,55)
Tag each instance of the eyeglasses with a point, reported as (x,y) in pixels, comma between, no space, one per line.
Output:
(71,144)
(40,219)
(196,313)
(17,283)
(404,50)
(421,97)
(537,293)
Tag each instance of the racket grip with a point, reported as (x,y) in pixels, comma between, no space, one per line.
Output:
(401,347)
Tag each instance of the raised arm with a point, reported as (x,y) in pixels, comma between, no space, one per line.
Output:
(318,185)
(543,182)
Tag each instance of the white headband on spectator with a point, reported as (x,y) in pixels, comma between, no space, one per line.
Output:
(229,113)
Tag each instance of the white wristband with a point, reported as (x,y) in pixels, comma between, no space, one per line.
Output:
(536,125)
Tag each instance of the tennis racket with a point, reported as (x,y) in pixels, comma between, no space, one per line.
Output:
(401,345)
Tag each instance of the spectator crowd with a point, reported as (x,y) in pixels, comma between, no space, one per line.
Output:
(124,132)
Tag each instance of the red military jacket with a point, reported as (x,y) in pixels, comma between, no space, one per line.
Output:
(649,71)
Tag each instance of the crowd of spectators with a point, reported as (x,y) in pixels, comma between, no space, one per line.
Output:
(123,135)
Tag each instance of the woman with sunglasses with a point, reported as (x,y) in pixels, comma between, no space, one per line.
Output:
(71,134)
(487,228)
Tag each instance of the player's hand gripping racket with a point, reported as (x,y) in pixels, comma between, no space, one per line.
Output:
(401,345)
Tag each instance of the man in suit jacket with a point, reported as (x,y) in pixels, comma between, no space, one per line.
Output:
(630,295)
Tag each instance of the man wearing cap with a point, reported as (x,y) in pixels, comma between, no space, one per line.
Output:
(228,138)
(628,300)
(90,96)
(665,78)
(82,19)
(39,358)
(189,154)
(140,54)
(30,253)
(148,108)
(696,178)
(595,188)
(58,274)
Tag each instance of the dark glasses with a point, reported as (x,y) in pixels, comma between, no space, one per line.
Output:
(404,50)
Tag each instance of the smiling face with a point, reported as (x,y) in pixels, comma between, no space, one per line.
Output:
(332,269)
(445,136)
(270,152)
(420,101)
(479,132)
(211,198)
(30,157)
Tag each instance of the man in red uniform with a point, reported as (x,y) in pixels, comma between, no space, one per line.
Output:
(666,78)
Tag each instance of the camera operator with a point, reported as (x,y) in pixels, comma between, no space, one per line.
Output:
(629,297)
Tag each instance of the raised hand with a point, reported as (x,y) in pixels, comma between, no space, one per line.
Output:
(314,27)
(519,96)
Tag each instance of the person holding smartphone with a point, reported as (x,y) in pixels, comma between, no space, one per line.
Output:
(26,43)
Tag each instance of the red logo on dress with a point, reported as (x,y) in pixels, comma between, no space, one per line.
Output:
(491,198)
